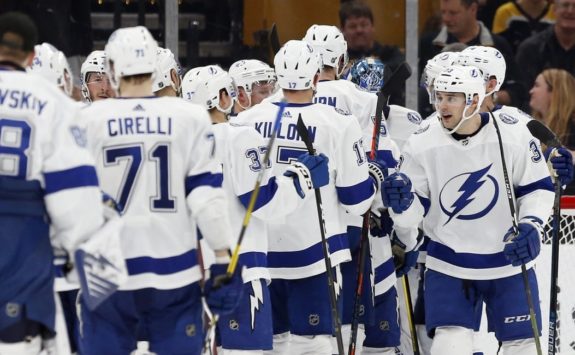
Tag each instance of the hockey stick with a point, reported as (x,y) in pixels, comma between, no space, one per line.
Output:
(516,231)
(402,73)
(547,137)
(303,133)
(254,196)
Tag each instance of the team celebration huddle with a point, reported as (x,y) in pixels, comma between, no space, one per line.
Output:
(268,209)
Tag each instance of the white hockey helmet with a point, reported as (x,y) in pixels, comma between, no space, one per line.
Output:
(165,62)
(203,85)
(331,45)
(94,63)
(131,51)
(296,64)
(489,60)
(435,66)
(247,72)
(52,64)
(467,80)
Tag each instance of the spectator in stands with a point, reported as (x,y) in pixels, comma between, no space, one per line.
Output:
(519,19)
(552,103)
(356,19)
(487,9)
(552,48)
(460,24)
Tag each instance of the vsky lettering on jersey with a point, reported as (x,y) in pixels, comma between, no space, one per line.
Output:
(22,100)
(325,100)
(139,125)
(288,131)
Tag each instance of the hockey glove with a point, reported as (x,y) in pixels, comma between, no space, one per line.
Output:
(377,171)
(396,192)
(562,164)
(309,172)
(380,226)
(526,245)
(402,260)
(224,297)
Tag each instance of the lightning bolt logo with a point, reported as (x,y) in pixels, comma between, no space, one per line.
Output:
(256,299)
(470,186)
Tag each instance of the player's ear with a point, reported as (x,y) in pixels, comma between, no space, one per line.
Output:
(29,59)
(491,84)
(176,78)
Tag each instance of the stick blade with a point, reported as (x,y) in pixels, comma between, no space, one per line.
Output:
(275,44)
(540,131)
(398,77)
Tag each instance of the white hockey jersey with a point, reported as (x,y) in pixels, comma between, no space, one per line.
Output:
(347,97)
(39,141)
(295,245)
(241,151)
(461,185)
(155,156)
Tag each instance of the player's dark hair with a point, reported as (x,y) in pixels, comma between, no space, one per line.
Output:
(17,32)
(354,8)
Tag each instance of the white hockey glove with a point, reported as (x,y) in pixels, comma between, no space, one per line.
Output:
(100,264)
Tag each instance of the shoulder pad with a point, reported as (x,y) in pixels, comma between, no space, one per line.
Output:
(505,118)
(525,114)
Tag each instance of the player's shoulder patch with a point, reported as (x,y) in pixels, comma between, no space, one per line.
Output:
(505,118)
(414,117)
(422,128)
(79,135)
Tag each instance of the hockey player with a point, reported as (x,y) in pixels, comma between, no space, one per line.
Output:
(168,81)
(155,157)
(471,257)
(347,97)
(255,81)
(492,64)
(95,82)
(241,151)
(52,64)
(299,289)
(45,171)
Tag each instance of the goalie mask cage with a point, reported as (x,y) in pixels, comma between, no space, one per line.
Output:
(565,339)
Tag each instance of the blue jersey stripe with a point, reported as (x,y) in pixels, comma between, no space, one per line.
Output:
(466,260)
(383,271)
(205,179)
(543,184)
(312,254)
(162,266)
(386,156)
(353,195)
(80,176)
(253,259)
(265,194)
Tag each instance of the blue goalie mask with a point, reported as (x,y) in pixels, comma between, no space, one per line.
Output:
(368,74)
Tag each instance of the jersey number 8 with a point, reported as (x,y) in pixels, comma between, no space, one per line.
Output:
(14,142)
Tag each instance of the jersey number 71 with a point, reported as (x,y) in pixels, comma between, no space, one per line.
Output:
(134,154)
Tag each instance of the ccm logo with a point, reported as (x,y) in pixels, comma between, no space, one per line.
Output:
(517,319)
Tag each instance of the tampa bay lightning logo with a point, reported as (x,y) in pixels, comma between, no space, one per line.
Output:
(505,118)
(469,195)
(414,117)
